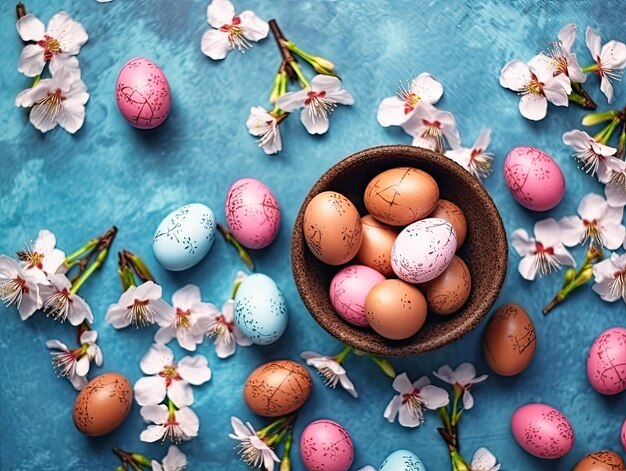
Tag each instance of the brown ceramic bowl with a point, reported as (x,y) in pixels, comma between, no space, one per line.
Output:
(485,250)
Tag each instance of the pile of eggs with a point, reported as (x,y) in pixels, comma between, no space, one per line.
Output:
(405,248)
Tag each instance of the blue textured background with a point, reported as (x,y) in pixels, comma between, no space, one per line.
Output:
(110,173)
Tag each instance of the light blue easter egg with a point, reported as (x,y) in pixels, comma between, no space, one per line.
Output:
(184,237)
(402,460)
(260,309)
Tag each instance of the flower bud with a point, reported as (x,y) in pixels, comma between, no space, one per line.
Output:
(141,460)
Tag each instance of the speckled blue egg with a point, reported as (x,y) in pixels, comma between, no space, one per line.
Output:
(260,309)
(402,460)
(184,237)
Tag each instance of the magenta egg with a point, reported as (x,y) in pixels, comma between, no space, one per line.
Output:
(252,213)
(326,446)
(143,93)
(606,362)
(542,431)
(534,178)
(348,291)
(623,435)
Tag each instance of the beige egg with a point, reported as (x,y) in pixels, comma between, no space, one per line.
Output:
(395,309)
(447,293)
(277,388)
(378,239)
(103,404)
(509,340)
(332,228)
(604,460)
(401,196)
(450,212)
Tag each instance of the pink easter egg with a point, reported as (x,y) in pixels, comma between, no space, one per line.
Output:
(534,178)
(252,213)
(606,362)
(423,250)
(348,291)
(143,94)
(326,446)
(623,435)
(542,431)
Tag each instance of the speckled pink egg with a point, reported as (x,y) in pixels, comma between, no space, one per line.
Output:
(542,431)
(252,213)
(423,250)
(534,178)
(623,435)
(143,94)
(326,446)
(606,362)
(348,291)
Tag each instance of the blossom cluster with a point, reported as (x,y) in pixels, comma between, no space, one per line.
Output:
(412,108)
(61,98)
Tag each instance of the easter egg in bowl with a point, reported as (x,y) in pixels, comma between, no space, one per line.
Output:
(484,251)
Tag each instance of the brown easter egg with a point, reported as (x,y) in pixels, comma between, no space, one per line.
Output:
(604,460)
(277,388)
(103,404)
(378,239)
(447,293)
(448,211)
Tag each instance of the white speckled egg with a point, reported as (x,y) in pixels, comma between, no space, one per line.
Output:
(402,460)
(260,309)
(252,213)
(423,250)
(184,237)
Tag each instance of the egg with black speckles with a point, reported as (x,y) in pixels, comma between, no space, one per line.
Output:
(277,388)
(260,309)
(604,460)
(450,212)
(103,404)
(378,239)
(423,250)
(326,446)
(402,460)
(606,362)
(447,293)
(542,431)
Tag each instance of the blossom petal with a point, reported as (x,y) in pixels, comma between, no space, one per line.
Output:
(239,428)
(402,384)
(79,382)
(434,396)
(117,316)
(30,28)
(567,36)
(543,67)
(483,459)
(149,390)
(533,106)
(515,75)
(175,459)
(152,433)
(427,88)
(572,230)
(254,28)
(325,83)
(607,88)
(292,100)
(613,234)
(42,119)
(82,366)
(348,385)
(156,413)
(195,369)
(187,340)
(522,243)
(465,373)
(220,13)
(592,38)
(342,97)
(391,112)
(79,311)
(161,311)
(613,55)
(189,422)
(313,124)
(391,411)
(528,267)
(70,33)
(185,297)
(577,139)
(483,140)
(55,344)
(225,347)
(445,374)
(31,61)
(557,89)
(157,357)
(165,334)
(547,232)
(468,400)
(180,393)
(406,419)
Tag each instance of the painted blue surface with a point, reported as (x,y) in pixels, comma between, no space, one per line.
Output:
(110,173)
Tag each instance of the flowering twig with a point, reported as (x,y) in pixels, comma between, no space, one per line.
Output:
(135,461)
(581,97)
(244,255)
(82,256)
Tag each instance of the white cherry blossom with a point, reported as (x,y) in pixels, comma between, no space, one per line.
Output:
(139,305)
(252,450)
(591,155)
(543,253)
(175,460)
(264,125)
(169,424)
(188,320)
(42,258)
(169,377)
(331,370)
(231,31)
(609,59)
(317,102)
(536,85)
(18,288)
(475,160)
(60,303)
(596,222)
(58,44)
(432,129)
(74,364)
(610,278)
(398,109)
(462,379)
(225,333)
(409,405)
(615,183)
(484,460)
(59,100)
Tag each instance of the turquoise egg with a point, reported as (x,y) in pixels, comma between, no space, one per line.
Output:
(260,309)
(184,237)
(402,460)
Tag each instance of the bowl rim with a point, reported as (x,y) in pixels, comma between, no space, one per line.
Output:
(471,319)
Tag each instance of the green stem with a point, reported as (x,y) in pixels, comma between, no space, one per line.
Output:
(592,119)
(285,462)
(341,356)
(171,407)
(319,64)
(236,285)
(73,258)
(268,428)
(604,136)
(384,364)
(91,268)
(445,418)
(244,255)
(590,68)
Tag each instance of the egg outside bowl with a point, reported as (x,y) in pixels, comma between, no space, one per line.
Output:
(485,250)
